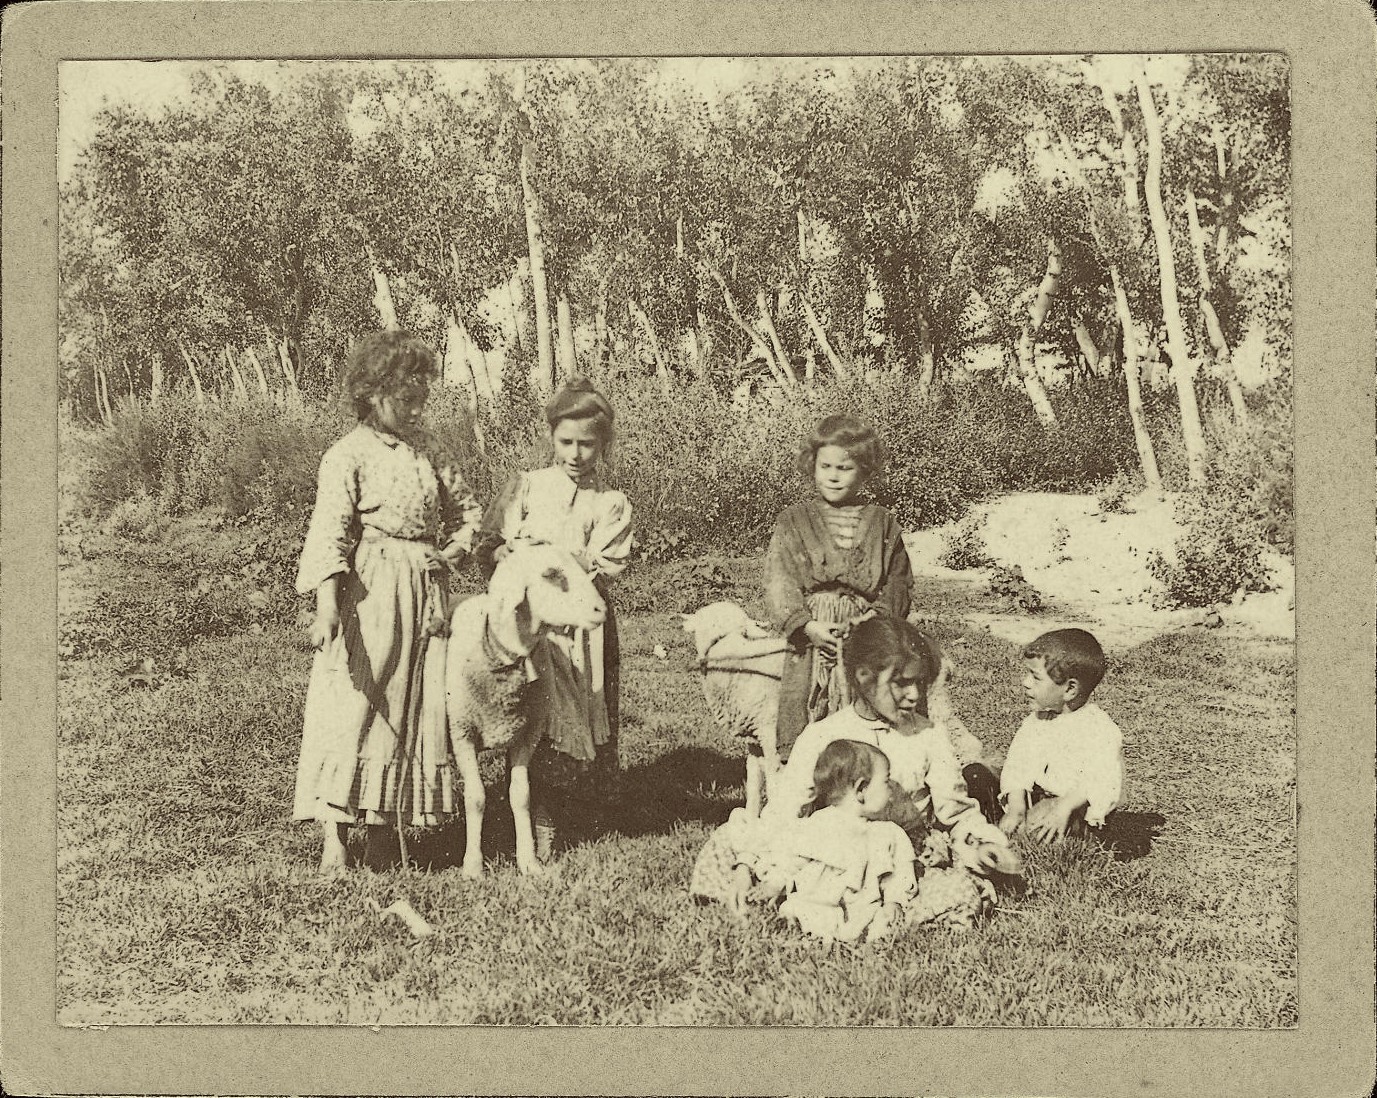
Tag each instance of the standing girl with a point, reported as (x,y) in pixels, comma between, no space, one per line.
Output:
(566,505)
(389,522)
(832,561)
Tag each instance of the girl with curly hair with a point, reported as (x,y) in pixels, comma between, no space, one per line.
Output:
(390,521)
(833,561)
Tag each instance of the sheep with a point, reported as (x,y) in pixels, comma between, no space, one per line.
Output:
(534,591)
(742,662)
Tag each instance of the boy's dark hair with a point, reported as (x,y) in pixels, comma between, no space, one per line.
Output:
(853,436)
(882,642)
(578,399)
(385,364)
(1070,654)
(840,765)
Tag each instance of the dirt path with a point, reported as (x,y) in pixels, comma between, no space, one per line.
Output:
(1091,566)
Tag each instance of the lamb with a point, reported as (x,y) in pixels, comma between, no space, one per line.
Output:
(742,662)
(534,591)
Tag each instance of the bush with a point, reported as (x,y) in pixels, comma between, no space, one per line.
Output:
(704,472)
(1218,555)
(1017,593)
(964,547)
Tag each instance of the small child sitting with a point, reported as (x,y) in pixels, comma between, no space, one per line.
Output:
(1065,768)
(842,870)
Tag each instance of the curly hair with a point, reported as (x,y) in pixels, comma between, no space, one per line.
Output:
(577,399)
(384,364)
(855,437)
(1070,654)
(842,764)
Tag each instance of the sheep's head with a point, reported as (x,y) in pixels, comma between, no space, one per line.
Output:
(539,588)
(715,621)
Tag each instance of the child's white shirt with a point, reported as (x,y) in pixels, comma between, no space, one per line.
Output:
(1077,752)
(923,764)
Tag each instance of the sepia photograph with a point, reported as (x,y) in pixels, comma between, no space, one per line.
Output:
(604,547)
(677,541)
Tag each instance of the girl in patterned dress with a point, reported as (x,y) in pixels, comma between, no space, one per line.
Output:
(578,676)
(832,561)
(390,521)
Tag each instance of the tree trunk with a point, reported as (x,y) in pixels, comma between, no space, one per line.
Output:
(102,389)
(1219,346)
(648,329)
(703,337)
(1027,340)
(815,325)
(258,371)
(927,370)
(564,323)
(600,335)
(535,246)
(382,294)
(762,304)
(191,368)
(758,345)
(1171,308)
(155,389)
(1147,456)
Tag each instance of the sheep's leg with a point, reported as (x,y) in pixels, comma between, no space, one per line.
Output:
(475,801)
(520,794)
(755,780)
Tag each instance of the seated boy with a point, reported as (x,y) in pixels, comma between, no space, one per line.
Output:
(1065,768)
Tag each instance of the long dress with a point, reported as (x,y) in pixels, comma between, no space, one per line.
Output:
(832,565)
(374,742)
(579,674)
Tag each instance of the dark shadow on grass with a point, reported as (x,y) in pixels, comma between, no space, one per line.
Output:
(1129,835)
(685,784)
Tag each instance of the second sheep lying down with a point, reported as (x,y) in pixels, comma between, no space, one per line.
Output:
(742,662)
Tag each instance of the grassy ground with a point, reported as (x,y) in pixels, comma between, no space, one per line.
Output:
(186,895)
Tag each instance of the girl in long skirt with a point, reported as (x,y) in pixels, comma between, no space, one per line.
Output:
(390,521)
(578,676)
(833,561)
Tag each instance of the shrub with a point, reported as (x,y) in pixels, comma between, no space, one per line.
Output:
(964,548)
(1114,494)
(1009,584)
(1218,555)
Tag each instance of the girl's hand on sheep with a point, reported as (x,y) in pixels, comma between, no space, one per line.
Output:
(325,628)
(824,636)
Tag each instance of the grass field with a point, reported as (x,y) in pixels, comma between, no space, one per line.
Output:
(185,894)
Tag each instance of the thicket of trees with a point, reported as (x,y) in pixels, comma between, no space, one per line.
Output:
(1070,217)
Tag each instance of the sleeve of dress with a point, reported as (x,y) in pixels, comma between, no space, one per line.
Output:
(896,587)
(461,514)
(900,884)
(609,544)
(954,808)
(792,788)
(334,527)
(785,606)
(1021,768)
(1103,775)
(501,521)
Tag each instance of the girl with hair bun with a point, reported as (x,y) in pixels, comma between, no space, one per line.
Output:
(565,504)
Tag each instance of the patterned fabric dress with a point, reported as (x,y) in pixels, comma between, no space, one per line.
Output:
(834,565)
(578,675)
(374,741)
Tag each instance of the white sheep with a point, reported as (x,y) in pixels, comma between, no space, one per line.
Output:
(535,590)
(742,662)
